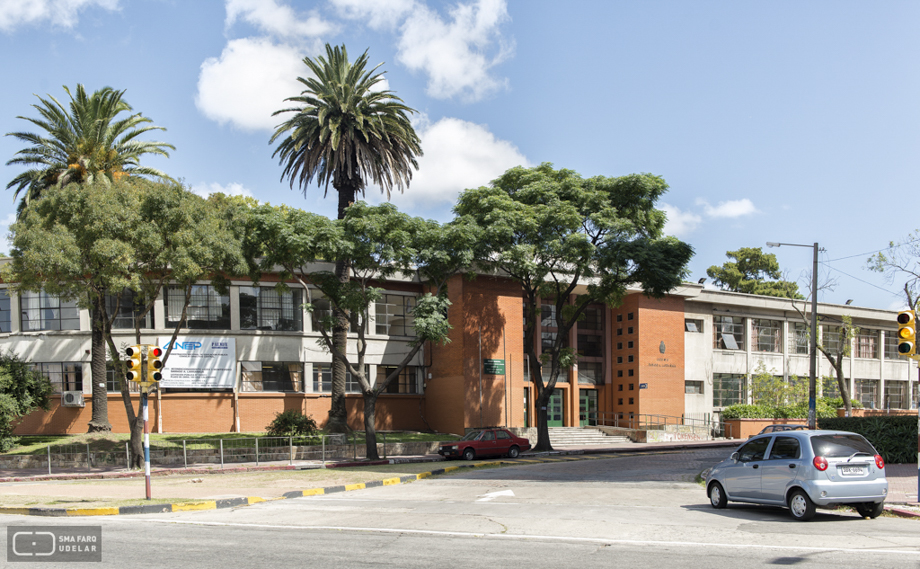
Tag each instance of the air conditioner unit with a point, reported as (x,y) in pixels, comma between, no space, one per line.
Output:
(72,399)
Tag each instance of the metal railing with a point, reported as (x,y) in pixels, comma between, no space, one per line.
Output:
(709,425)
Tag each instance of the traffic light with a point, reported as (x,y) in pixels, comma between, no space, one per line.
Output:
(907,333)
(154,364)
(134,363)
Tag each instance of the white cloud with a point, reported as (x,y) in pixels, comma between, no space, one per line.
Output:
(248,82)
(729,209)
(58,13)
(453,54)
(379,14)
(458,155)
(276,19)
(231,189)
(680,223)
(5,223)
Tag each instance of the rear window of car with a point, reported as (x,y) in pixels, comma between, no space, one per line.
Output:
(837,446)
(502,435)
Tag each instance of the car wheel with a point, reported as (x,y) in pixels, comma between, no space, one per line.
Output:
(469,454)
(870,510)
(801,506)
(514,452)
(717,496)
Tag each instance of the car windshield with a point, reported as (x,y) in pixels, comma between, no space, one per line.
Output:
(471,436)
(840,446)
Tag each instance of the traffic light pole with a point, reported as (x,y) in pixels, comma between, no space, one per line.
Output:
(146,441)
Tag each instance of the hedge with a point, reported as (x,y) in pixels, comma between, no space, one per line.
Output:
(894,436)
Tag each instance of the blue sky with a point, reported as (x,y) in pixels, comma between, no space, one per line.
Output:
(794,122)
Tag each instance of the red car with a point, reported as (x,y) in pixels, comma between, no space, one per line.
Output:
(485,442)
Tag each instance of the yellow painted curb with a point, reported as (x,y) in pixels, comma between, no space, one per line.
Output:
(314,492)
(106,511)
(359,486)
(14,511)
(421,475)
(450,469)
(186,507)
(254,500)
(390,481)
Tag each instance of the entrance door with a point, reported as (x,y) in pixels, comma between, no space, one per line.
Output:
(588,407)
(554,410)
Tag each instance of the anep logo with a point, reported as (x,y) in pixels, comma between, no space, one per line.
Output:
(184,345)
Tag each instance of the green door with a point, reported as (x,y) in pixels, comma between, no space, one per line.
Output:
(588,407)
(554,410)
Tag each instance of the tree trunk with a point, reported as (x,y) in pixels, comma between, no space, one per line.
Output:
(844,391)
(370,427)
(541,404)
(137,442)
(100,418)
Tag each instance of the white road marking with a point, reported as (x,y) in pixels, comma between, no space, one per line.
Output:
(492,495)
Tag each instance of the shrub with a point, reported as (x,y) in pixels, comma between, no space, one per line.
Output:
(893,436)
(291,423)
(825,407)
(22,390)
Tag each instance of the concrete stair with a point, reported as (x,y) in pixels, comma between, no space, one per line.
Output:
(583,437)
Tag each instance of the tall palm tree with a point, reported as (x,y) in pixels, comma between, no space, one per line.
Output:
(346,132)
(83,142)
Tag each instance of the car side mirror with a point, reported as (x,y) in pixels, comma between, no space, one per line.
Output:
(735,456)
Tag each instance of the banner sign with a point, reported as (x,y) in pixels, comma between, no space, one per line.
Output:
(493,367)
(200,363)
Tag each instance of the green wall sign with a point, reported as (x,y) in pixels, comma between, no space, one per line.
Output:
(493,367)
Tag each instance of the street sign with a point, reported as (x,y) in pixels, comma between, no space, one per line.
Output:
(643,386)
(493,367)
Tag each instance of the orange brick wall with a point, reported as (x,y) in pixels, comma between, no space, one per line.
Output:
(661,321)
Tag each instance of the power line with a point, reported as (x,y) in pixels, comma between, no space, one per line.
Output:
(825,263)
(874,252)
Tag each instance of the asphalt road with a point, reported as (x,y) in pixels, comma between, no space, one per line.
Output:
(629,511)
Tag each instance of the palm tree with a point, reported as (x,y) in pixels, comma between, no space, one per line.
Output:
(346,132)
(84,143)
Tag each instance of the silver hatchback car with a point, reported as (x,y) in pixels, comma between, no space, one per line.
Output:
(802,470)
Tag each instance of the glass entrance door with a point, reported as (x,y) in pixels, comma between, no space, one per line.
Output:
(554,410)
(588,407)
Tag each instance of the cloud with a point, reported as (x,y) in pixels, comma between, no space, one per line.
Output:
(379,14)
(729,209)
(458,155)
(248,82)
(680,223)
(57,13)
(453,54)
(277,20)
(231,189)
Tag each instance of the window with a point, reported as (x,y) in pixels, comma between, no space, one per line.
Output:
(619,400)
(548,316)
(629,316)
(753,450)
(767,335)
(563,374)
(593,319)
(867,344)
(829,387)
(407,382)
(207,310)
(41,311)
(831,337)
(322,312)
(64,376)
(322,379)
(728,389)
(5,313)
(591,373)
(728,332)
(693,325)
(629,330)
(549,341)
(632,386)
(891,345)
(619,331)
(619,387)
(867,392)
(798,338)
(267,308)
(123,308)
(632,400)
(629,358)
(272,376)
(589,345)
(619,345)
(631,373)
(693,387)
(619,359)
(394,315)
(113,379)
(619,373)
(630,344)
(785,448)
(896,395)
(619,317)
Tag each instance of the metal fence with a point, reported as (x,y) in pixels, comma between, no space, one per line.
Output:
(708,425)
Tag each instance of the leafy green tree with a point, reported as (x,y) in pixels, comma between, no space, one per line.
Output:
(22,390)
(572,241)
(84,142)
(769,389)
(753,272)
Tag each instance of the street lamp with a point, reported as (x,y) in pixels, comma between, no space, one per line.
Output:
(813,344)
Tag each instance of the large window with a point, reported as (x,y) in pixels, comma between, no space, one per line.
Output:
(867,392)
(829,386)
(896,395)
(272,376)
(113,379)
(832,338)
(693,325)
(548,316)
(267,308)
(693,387)
(768,335)
(64,376)
(322,379)
(593,319)
(589,345)
(5,314)
(41,311)
(728,389)
(728,332)
(394,315)
(891,345)
(591,373)
(207,309)
(407,382)
(124,308)
(798,338)
(867,344)
(322,312)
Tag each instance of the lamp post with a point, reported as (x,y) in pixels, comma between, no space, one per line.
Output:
(813,343)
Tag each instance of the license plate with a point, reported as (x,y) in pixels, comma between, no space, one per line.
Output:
(851,470)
